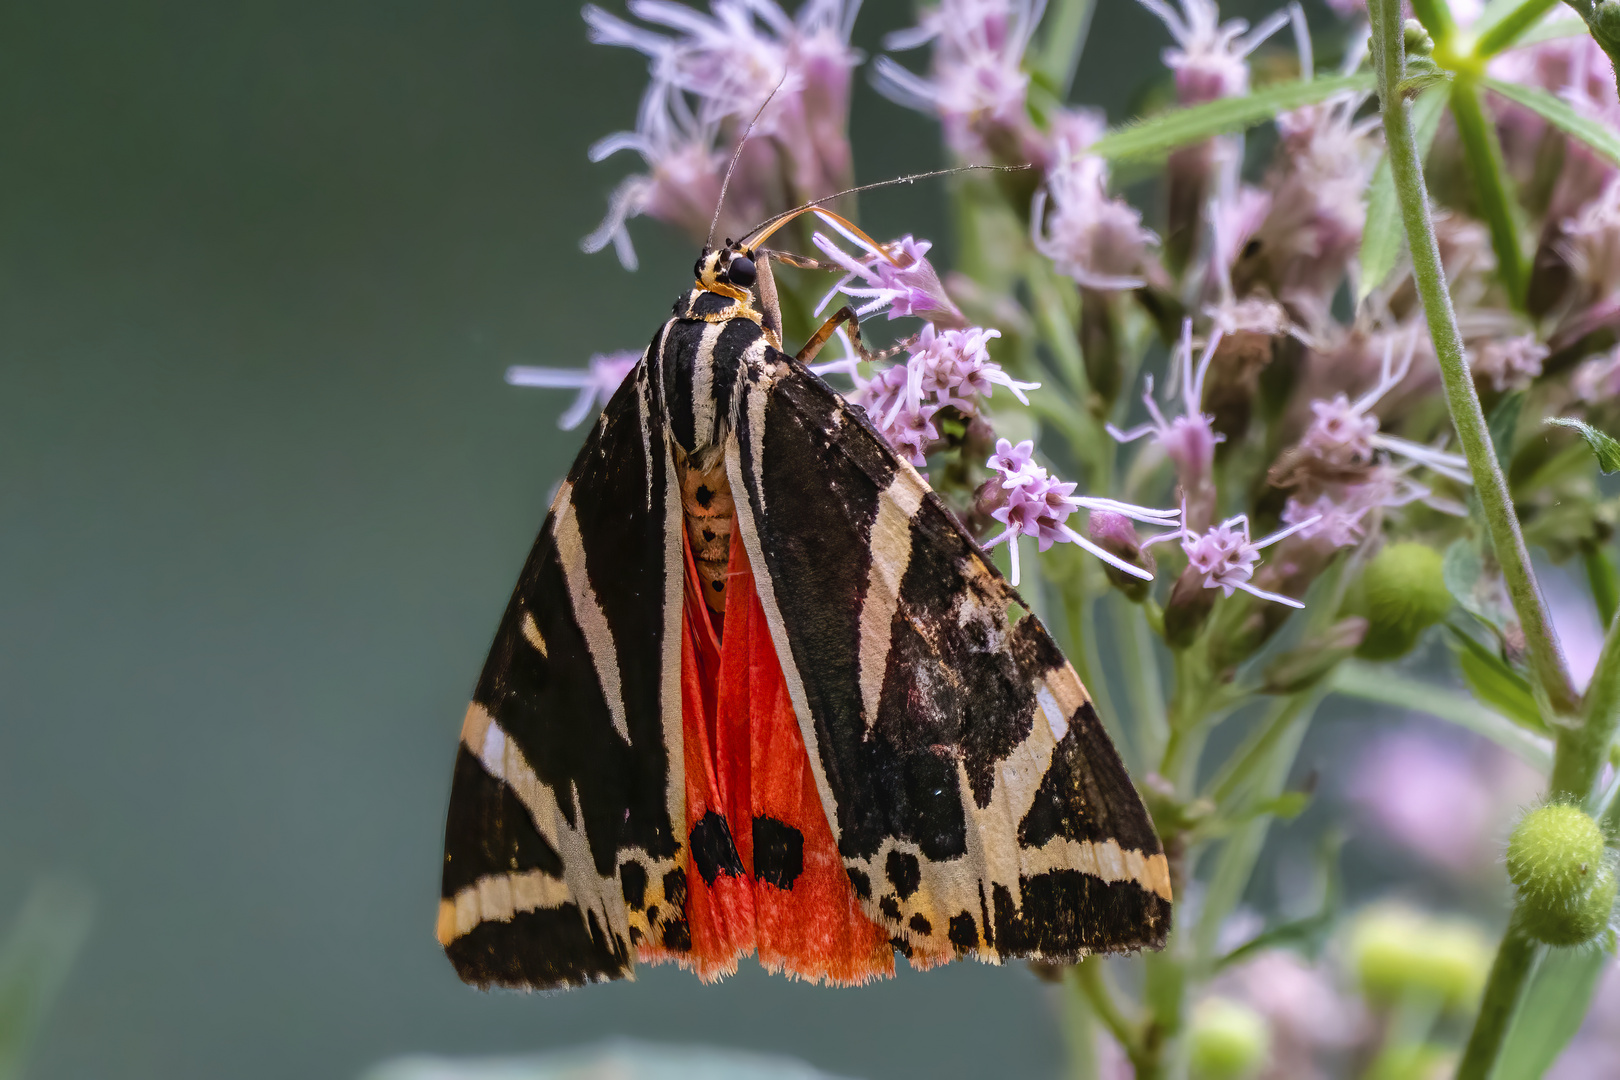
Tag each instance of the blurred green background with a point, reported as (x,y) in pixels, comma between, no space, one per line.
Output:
(264,495)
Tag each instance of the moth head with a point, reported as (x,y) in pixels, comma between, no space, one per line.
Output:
(727,270)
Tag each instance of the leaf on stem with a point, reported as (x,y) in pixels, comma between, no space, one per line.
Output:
(1504,423)
(1158,135)
(1554,1007)
(1559,113)
(1604,448)
(1474,578)
(1384,237)
(1493,682)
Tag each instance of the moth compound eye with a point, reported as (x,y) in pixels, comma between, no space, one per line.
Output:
(742,272)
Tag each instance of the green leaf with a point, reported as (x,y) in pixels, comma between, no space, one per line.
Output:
(1504,423)
(1603,578)
(1605,449)
(1556,1002)
(1384,236)
(1559,113)
(1378,683)
(1493,682)
(1158,135)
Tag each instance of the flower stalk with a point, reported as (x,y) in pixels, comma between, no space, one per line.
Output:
(1462,399)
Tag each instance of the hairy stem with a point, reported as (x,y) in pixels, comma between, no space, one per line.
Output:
(1546,662)
(1584,747)
(1509,973)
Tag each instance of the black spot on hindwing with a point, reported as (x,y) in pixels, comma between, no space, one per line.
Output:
(778,852)
(713,851)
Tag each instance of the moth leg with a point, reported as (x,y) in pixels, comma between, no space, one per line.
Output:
(845,314)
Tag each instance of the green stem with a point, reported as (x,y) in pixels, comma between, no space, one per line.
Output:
(1091,979)
(1245,768)
(1462,399)
(1268,764)
(1509,973)
(1584,747)
(1491,185)
(1511,26)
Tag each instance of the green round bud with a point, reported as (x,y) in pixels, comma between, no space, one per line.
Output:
(1418,41)
(1572,922)
(1228,1040)
(1605,22)
(1397,953)
(1402,593)
(1553,853)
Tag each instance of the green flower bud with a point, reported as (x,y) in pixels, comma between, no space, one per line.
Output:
(1557,859)
(1402,593)
(1605,24)
(1418,41)
(1187,609)
(1553,852)
(1228,1040)
(1574,922)
(1398,952)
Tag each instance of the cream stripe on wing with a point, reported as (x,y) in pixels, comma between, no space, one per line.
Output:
(890,549)
(531,633)
(588,611)
(703,386)
(670,683)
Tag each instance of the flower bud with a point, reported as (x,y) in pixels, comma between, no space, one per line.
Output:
(1402,592)
(1228,1040)
(1115,534)
(1397,952)
(1418,41)
(1188,607)
(1605,24)
(1557,859)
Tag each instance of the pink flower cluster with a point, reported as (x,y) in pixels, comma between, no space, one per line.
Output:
(945,369)
(977,84)
(1037,504)
(711,75)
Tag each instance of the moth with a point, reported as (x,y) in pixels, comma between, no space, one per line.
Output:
(759,691)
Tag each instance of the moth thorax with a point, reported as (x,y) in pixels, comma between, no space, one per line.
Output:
(709,513)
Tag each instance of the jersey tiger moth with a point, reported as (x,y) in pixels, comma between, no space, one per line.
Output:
(759,691)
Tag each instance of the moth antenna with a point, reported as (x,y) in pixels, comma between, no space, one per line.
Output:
(777,221)
(725,181)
